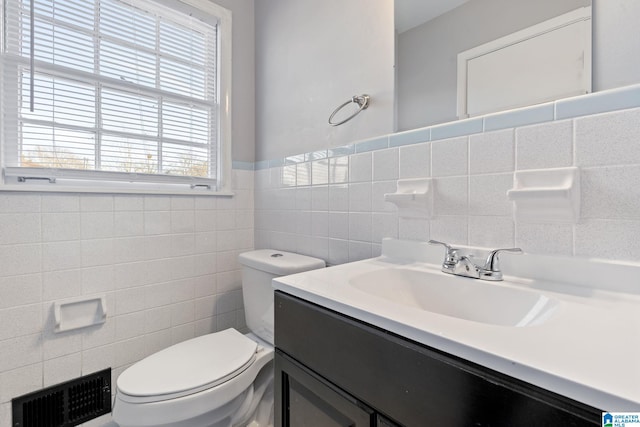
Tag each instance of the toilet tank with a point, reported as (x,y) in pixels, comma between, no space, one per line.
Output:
(258,268)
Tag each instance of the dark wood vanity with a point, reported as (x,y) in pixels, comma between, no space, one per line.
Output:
(332,370)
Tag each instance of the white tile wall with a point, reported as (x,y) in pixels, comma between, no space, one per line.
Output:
(492,152)
(168,266)
(415,161)
(413,229)
(451,195)
(450,157)
(339,170)
(487,194)
(360,226)
(471,176)
(338,197)
(360,197)
(385,164)
(545,146)
(450,228)
(360,167)
(320,172)
(552,239)
(608,139)
(319,198)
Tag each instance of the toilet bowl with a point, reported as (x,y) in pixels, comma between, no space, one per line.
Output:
(223,379)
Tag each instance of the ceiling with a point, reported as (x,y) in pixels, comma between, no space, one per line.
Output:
(411,13)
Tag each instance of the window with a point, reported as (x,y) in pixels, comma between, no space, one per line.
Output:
(124,92)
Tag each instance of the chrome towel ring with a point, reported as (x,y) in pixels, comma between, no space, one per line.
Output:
(361,100)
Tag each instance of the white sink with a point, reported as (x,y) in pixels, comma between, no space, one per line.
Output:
(459,297)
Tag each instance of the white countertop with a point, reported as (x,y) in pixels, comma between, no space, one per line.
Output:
(588,350)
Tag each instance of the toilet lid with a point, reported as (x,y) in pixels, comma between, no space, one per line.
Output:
(190,366)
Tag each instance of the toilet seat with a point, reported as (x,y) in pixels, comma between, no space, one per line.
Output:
(188,367)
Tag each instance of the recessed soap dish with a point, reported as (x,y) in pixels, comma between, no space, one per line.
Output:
(413,197)
(75,313)
(546,195)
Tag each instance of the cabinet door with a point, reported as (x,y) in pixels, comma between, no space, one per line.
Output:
(306,400)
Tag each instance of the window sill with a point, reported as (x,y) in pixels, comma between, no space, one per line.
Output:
(112,189)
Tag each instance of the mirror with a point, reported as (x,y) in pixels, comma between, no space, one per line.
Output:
(431,34)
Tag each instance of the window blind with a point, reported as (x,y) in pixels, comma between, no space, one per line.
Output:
(123,91)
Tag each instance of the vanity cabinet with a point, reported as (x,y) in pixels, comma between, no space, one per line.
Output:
(332,370)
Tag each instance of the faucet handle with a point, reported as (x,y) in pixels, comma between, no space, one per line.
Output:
(491,269)
(450,255)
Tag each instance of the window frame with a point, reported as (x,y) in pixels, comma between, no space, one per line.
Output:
(98,181)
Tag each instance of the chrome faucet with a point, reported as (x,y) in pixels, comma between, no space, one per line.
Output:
(464,265)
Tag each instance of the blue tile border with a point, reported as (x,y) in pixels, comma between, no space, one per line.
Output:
(345,150)
(298,158)
(583,105)
(415,136)
(460,128)
(372,144)
(520,117)
(276,163)
(316,155)
(242,165)
(598,102)
(262,164)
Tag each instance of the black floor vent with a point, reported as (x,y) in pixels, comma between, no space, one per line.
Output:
(66,404)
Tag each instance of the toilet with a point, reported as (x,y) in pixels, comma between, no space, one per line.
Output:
(223,379)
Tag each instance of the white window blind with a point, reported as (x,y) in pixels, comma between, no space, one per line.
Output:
(123,90)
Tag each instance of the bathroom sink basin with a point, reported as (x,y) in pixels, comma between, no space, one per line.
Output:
(463,298)
(543,324)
